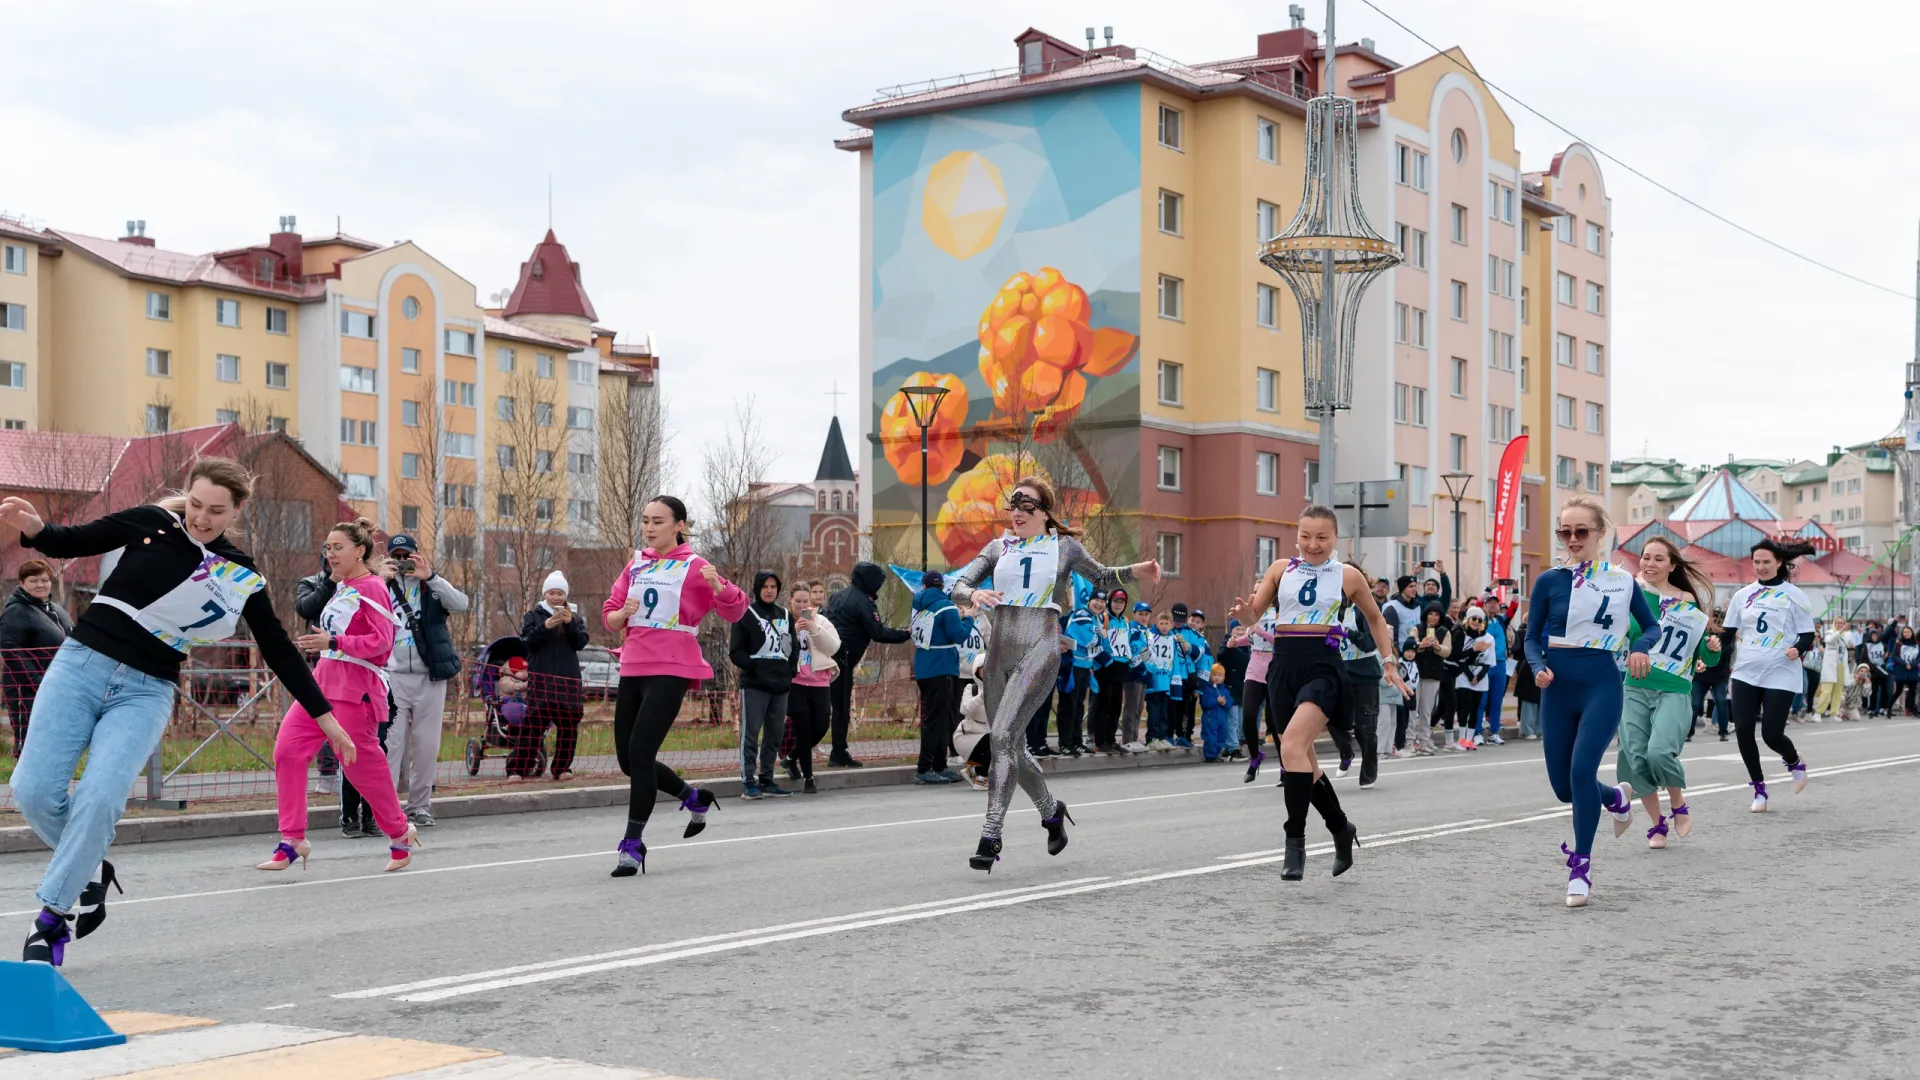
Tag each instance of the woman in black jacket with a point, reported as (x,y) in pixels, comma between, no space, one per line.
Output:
(554,633)
(31,628)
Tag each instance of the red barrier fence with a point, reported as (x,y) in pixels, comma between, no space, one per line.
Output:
(218,743)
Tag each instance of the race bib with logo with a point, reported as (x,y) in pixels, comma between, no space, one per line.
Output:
(656,583)
(1026,571)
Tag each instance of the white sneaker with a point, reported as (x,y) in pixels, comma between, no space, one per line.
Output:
(1496,740)
(1478,739)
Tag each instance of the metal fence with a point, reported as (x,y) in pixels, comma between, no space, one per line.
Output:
(218,744)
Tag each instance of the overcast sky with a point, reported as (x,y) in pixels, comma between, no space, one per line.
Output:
(696,182)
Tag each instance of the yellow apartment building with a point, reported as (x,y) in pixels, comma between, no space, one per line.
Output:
(26,294)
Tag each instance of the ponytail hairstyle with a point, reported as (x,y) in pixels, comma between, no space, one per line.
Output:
(224,472)
(679,511)
(1043,491)
(1786,553)
(1593,506)
(1685,576)
(360,533)
(1325,512)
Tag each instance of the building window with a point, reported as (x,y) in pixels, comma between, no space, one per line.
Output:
(1596,418)
(543,365)
(1506,204)
(505,508)
(1459,224)
(506,456)
(459,393)
(410,308)
(1526,238)
(459,342)
(159,363)
(160,306)
(1816,494)
(1169,212)
(1563,286)
(1500,350)
(1169,127)
(159,419)
(1458,144)
(459,546)
(13,376)
(356,324)
(1562,410)
(457,496)
(277,424)
(1266,473)
(1266,221)
(1563,349)
(1596,238)
(1266,306)
(226,312)
(1526,305)
(1266,550)
(409,466)
(410,414)
(13,316)
(276,376)
(582,511)
(1169,554)
(1563,228)
(1417,487)
(360,380)
(1520,519)
(1596,476)
(1596,358)
(359,432)
(1457,452)
(580,464)
(1457,300)
(276,320)
(410,361)
(16,257)
(1266,141)
(543,413)
(1526,366)
(1169,392)
(359,485)
(1509,275)
(581,372)
(1459,377)
(459,445)
(1596,298)
(1409,325)
(1310,475)
(1170,297)
(1853,486)
(579,418)
(1413,246)
(410,518)
(1493,274)
(503,408)
(1410,405)
(1032,55)
(503,359)
(226,367)
(542,462)
(1266,389)
(1169,468)
(1410,167)
(226,416)
(1499,423)
(1564,474)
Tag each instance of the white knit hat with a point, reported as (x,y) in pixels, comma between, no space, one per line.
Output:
(555,580)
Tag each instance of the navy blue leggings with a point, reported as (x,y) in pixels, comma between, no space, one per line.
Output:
(1579,715)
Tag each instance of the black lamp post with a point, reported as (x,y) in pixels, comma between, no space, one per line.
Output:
(924,402)
(1457,488)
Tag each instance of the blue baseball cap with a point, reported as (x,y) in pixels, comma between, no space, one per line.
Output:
(1142,606)
(399,542)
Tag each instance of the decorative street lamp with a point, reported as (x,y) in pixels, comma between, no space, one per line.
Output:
(1328,255)
(1456,489)
(924,401)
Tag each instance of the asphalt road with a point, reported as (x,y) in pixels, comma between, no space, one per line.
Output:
(843,935)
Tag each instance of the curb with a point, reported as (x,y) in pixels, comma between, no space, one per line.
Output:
(19,838)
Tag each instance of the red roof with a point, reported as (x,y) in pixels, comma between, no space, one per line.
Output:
(550,284)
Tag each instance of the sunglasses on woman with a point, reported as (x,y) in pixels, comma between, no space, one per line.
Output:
(1577,532)
(1024,503)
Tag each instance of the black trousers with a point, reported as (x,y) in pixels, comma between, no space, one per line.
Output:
(809,715)
(1104,727)
(1912,692)
(642,715)
(842,698)
(1402,713)
(1466,710)
(1253,701)
(353,808)
(1073,710)
(1768,708)
(1363,708)
(1037,727)
(939,712)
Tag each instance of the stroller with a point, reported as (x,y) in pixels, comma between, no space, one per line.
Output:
(499,734)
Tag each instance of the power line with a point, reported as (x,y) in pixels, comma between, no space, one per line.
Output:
(1722,218)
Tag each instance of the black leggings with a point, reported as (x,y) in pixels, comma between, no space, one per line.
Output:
(1466,710)
(1768,708)
(642,716)
(1253,698)
(809,715)
(1912,692)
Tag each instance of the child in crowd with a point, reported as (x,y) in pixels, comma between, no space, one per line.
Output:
(1133,697)
(972,736)
(511,686)
(1859,694)
(1409,674)
(1162,665)
(1218,733)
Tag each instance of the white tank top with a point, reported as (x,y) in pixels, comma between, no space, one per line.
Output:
(1309,595)
(1599,608)
(1263,641)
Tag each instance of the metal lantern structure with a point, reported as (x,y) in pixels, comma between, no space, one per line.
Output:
(924,403)
(1328,255)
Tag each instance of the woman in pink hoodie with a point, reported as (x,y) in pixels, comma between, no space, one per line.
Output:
(658,602)
(354,640)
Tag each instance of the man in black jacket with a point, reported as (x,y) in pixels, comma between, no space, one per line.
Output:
(855,615)
(766,649)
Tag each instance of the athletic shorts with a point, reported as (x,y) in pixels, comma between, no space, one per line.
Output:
(1305,669)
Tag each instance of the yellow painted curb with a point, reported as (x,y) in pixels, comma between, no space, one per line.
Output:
(130,1022)
(353,1057)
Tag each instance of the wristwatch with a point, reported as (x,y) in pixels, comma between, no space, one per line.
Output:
(333,642)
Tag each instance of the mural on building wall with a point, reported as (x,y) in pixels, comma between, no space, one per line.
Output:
(1006,254)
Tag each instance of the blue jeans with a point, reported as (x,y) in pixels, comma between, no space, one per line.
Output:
(1496,699)
(88,704)
(1530,719)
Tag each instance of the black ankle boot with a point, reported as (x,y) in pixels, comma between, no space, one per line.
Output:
(93,902)
(1295,866)
(986,854)
(1344,842)
(1057,828)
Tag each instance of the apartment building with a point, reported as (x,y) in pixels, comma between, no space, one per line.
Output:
(1132,192)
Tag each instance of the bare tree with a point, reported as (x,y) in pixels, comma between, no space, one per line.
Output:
(156,463)
(633,457)
(447,502)
(277,526)
(71,470)
(526,492)
(737,531)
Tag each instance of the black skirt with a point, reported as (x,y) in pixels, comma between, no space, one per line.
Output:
(1305,669)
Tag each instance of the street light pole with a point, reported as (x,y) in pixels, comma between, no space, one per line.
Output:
(1457,488)
(924,403)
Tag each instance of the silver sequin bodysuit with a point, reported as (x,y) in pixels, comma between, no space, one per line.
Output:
(1022,664)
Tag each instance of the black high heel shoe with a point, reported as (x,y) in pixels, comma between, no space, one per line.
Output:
(1295,866)
(48,942)
(93,901)
(632,858)
(697,801)
(1056,828)
(986,854)
(1343,844)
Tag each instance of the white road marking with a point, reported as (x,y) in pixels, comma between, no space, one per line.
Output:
(484,982)
(1364,840)
(277,1008)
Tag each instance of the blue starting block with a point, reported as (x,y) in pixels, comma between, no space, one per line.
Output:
(40,1010)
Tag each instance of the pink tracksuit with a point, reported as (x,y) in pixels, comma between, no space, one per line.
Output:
(648,650)
(359,699)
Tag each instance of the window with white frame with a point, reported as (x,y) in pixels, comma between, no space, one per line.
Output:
(459,393)
(276,320)
(1562,410)
(1563,288)
(1310,478)
(1507,202)
(359,432)
(1410,167)
(1596,298)
(1266,550)
(1596,476)
(579,418)
(226,367)
(543,414)
(1168,554)
(226,312)
(1526,370)
(1459,219)
(159,419)
(409,466)
(504,359)
(13,376)
(1266,306)
(160,363)
(1499,423)
(1170,383)
(1500,350)
(1457,300)
(1266,221)
(1493,274)
(1526,306)
(582,511)
(1170,307)
(1459,368)
(1596,418)
(1170,127)
(581,372)
(458,342)
(1169,479)
(1418,485)
(1565,473)
(1520,518)
(1853,486)
(1458,144)
(16,259)
(1457,452)
(1410,405)
(1596,238)
(543,462)
(1493,199)
(277,424)
(358,379)
(410,361)
(1408,557)
(1596,358)
(359,485)
(160,306)
(543,365)
(1563,350)
(457,497)
(460,445)
(410,414)
(1413,246)
(1409,325)
(1266,141)
(356,324)
(1266,389)
(504,408)
(276,376)
(1170,216)
(1509,278)
(13,316)
(1266,473)
(506,456)
(1563,228)
(226,416)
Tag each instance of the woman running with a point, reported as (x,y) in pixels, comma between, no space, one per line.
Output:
(1657,711)
(1031,565)
(1306,681)
(1775,624)
(170,580)
(1577,620)
(657,603)
(354,640)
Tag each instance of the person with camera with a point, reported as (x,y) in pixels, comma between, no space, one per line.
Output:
(422,663)
(554,633)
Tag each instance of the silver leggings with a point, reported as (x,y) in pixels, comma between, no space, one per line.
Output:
(1023,663)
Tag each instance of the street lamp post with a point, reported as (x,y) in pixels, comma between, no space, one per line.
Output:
(1456,489)
(924,402)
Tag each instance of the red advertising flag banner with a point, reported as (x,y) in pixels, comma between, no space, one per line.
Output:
(1506,504)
